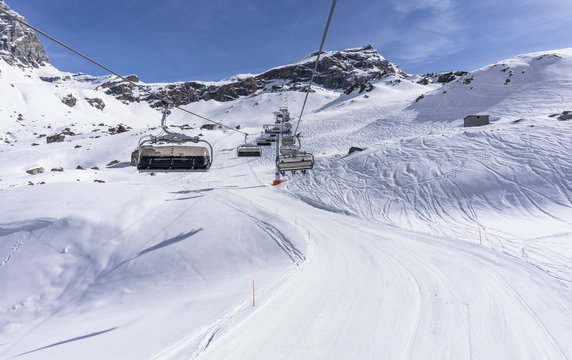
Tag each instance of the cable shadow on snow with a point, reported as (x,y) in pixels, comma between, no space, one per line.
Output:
(121,165)
(187,198)
(162,244)
(67,341)
(168,242)
(192,191)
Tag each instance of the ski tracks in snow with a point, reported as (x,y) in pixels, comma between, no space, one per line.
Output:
(370,291)
(27,228)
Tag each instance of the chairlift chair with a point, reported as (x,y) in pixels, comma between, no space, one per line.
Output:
(171,152)
(264,140)
(247,149)
(299,160)
(288,140)
(278,128)
(292,159)
(285,114)
(288,148)
(279,117)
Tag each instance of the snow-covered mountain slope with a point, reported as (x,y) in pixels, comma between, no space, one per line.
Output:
(532,85)
(436,241)
(478,184)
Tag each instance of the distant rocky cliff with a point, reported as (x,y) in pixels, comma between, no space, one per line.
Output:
(336,70)
(18,44)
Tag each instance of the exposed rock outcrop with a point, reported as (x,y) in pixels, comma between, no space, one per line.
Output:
(96,103)
(441,77)
(69,100)
(35,171)
(19,45)
(55,138)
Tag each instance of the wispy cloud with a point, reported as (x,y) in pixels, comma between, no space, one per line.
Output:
(423,30)
(406,7)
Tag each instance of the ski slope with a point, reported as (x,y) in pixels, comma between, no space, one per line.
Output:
(436,241)
(370,291)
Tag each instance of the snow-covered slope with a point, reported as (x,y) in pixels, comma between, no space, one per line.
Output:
(532,85)
(436,241)
(507,184)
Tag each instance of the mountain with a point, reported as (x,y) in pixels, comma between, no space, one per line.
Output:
(337,70)
(19,45)
(504,89)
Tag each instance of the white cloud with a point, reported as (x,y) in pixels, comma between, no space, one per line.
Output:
(406,7)
(424,30)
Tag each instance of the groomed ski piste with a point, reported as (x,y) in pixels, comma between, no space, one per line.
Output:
(434,242)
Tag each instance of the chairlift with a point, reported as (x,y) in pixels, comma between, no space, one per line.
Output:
(288,140)
(278,128)
(285,114)
(271,129)
(288,148)
(292,159)
(247,149)
(170,152)
(298,160)
(265,140)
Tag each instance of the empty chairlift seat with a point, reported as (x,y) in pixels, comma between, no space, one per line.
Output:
(288,149)
(170,151)
(265,140)
(248,150)
(295,161)
(173,158)
(288,140)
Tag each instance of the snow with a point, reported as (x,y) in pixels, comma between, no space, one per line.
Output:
(435,241)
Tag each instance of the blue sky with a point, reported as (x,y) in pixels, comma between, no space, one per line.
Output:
(178,40)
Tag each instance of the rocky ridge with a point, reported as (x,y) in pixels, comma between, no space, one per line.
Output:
(19,45)
(337,70)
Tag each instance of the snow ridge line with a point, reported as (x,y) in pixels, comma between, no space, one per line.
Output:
(282,241)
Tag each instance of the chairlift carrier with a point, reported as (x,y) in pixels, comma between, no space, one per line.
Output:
(292,159)
(169,152)
(299,160)
(288,148)
(248,149)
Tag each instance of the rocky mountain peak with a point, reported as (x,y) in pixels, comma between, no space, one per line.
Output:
(19,45)
(337,70)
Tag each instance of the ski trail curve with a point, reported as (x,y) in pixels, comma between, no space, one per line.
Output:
(370,291)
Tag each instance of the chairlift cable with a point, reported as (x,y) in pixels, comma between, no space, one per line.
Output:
(316,64)
(114,73)
(62,44)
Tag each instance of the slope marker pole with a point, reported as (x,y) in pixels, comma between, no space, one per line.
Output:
(253,298)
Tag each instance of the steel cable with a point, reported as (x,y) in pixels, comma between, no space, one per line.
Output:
(116,74)
(316,64)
